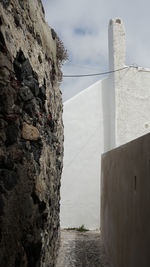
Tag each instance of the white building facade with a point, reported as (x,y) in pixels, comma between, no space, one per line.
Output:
(109,113)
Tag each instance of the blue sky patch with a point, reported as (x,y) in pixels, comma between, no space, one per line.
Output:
(80,31)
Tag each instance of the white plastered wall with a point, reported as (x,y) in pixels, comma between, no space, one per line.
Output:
(80,190)
(131,90)
(132,104)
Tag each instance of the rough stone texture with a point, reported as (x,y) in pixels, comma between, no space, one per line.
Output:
(81,249)
(31,136)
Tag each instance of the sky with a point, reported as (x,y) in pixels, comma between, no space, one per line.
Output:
(82,25)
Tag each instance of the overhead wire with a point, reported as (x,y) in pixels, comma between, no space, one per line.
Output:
(94,74)
(106,72)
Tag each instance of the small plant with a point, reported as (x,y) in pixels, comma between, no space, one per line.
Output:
(79,229)
(82,228)
(61,52)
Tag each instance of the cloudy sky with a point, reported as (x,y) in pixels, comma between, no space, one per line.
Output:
(83,27)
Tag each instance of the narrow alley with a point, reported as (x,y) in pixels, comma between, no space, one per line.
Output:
(81,249)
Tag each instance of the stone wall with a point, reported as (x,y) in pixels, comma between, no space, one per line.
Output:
(125,204)
(31,135)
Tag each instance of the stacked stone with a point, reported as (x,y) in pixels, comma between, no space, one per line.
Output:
(31,137)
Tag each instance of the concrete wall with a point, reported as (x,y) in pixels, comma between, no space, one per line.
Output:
(31,136)
(125,204)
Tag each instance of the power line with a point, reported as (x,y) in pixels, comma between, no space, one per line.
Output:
(94,74)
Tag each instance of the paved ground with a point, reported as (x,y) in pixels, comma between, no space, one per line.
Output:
(81,249)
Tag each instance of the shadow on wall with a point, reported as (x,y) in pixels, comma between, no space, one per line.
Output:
(108,107)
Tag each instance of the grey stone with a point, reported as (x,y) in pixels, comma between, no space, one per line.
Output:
(1,206)
(30,108)
(27,204)
(21,2)
(42,93)
(33,252)
(5,3)
(26,93)
(11,134)
(20,56)
(26,69)
(16,20)
(32,84)
(6,162)
(8,178)
(38,38)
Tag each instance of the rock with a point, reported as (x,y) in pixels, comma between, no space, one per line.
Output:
(42,93)
(35,75)
(6,162)
(20,57)
(33,252)
(21,3)
(5,3)
(2,124)
(53,33)
(42,206)
(22,67)
(17,64)
(16,20)
(26,70)
(25,93)
(11,117)
(28,207)
(58,163)
(11,134)
(36,149)
(1,206)
(2,43)
(30,132)
(30,108)
(33,85)
(9,178)
(2,138)
(40,59)
(38,38)
(17,69)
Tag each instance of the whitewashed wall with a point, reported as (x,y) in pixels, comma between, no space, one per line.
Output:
(80,190)
(132,104)
(109,113)
(131,93)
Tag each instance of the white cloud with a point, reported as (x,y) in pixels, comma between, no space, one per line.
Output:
(92,17)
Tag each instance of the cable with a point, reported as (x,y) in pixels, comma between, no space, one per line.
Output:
(94,74)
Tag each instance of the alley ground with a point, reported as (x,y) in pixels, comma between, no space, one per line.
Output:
(81,249)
